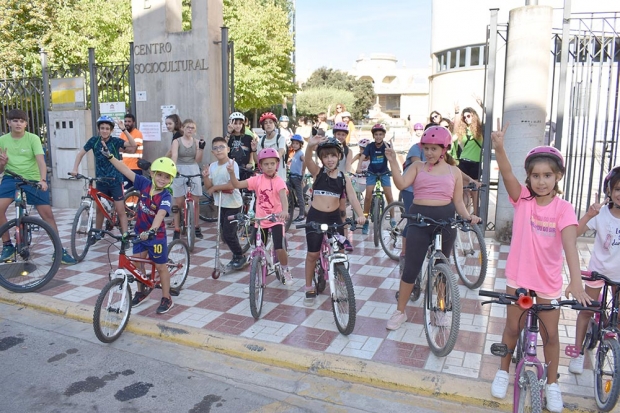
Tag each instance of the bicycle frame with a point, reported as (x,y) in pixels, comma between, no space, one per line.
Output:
(260,250)
(529,358)
(21,210)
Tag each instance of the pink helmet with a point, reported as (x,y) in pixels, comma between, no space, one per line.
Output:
(418,126)
(363,142)
(437,135)
(545,151)
(377,127)
(269,153)
(341,126)
(267,115)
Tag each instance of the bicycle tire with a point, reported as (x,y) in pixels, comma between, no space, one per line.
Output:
(376,221)
(190,226)
(80,240)
(469,256)
(245,235)
(291,208)
(107,327)
(440,341)
(256,287)
(319,278)
(607,374)
(391,237)
(533,389)
(178,263)
(132,198)
(343,300)
(591,339)
(210,205)
(31,268)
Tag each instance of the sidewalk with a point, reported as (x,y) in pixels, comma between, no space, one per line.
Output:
(215,314)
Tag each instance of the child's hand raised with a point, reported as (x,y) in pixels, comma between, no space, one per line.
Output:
(316,140)
(253,145)
(205,172)
(497,136)
(595,208)
(230,167)
(390,153)
(4,157)
(105,151)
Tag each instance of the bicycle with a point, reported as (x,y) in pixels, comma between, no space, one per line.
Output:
(113,306)
(84,219)
(188,221)
(377,206)
(442,300)
(263,262)
(293,202)
(603,331)
(391,235)
(38,249)
(333,267)
(527,383)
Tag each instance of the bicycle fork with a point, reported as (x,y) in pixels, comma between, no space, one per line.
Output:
(334,259)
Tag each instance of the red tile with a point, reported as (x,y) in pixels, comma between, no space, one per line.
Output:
(289,314)
(367,280)
(373,327)
(383,295)
(311,338)
(404,354)
(230,324)
(470,342)
(218,302)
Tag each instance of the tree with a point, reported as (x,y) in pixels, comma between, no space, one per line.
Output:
(363,90)
(263,47)
(312,101)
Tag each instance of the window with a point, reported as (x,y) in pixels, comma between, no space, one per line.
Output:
(461,58)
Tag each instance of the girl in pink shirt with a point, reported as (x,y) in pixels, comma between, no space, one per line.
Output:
(543,226)
(271,198)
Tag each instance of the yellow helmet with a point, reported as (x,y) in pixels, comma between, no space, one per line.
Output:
(165,165)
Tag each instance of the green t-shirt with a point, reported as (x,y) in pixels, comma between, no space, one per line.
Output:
(22,153)
(472,148)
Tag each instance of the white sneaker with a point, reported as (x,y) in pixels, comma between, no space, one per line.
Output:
(397,320)
(576,365)
(500,384)
(554,398)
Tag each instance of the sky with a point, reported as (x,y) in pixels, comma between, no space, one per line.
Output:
(335,33)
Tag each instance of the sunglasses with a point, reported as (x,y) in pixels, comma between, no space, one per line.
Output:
(218,148)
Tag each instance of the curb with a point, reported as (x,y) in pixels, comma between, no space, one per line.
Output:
(471,392)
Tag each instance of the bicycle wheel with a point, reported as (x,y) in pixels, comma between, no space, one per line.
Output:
(442,310)
(520,347)
(80,239)
(607,374)
(343,300)
(190,225)
(37,256)
(376,220)
(319,278)
(291,208)
(530,389)
(132,197)
(256,287)
(112,310)
(469,255)
(210,214)
(178,263)
(391,237)
(591,339)
(246,234)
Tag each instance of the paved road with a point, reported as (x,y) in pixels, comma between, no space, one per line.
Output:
(52,364)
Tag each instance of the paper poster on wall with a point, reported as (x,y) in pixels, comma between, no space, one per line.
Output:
(166,110)
(115,110)
(151,131)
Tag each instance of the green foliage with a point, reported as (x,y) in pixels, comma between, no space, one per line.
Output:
(65,29)
(312,101)
(362,90)
(263,47)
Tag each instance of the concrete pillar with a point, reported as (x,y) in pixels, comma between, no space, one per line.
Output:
(525,96)
(176,67)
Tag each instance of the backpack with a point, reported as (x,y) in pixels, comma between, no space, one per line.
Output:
(286,151)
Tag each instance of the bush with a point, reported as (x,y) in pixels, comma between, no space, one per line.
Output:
(312,101)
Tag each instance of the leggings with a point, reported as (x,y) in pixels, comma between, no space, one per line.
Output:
(314,239)
(419,238)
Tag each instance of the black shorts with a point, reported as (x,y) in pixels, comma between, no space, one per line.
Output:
(277,233)
(470,168)
(313,238)
(114,191)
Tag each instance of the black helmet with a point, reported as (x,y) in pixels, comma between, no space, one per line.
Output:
(330,143)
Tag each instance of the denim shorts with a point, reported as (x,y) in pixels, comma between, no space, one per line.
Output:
(34,196)
(371,180)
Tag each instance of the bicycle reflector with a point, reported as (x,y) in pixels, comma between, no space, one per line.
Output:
(525,302)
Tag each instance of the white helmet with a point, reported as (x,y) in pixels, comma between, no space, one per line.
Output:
(236,115)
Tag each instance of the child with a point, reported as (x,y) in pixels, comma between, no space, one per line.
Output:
(271,196)
(296,176)
(360,182)
(103,168)
(378,165)
(217,179)
(187,152)
(329,185)
(438,188)
(155,204)
(272,139)
(240,144)
(606,222)
(543,225)
(341,132)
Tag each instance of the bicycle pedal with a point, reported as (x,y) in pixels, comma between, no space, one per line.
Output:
(499,349)
(572,351)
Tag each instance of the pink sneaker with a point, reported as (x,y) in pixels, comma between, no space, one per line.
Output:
(397,320)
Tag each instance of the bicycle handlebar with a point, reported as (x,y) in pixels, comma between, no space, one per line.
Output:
(317,226)
(388,173)
(80,176)
(473,187)
(241,217)
(595,276)
(424,221)
(29,182)
(188,176)
(526,303)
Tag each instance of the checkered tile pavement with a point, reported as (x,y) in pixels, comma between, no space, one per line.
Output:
(221,305)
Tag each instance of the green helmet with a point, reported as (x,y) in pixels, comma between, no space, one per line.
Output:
(165,165)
